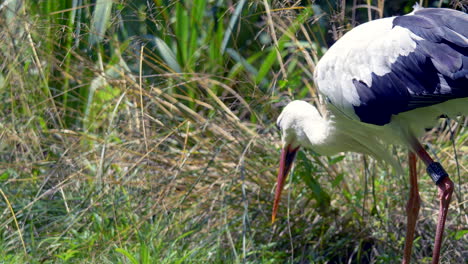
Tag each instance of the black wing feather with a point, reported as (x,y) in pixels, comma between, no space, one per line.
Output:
(436,71)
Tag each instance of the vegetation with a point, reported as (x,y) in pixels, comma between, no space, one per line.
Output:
(143,132)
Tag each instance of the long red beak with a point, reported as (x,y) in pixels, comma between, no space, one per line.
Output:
(287,158)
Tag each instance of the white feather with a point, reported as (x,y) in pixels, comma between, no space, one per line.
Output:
(357,55)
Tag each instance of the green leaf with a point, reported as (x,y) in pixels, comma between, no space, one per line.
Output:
(196,24)
(182,32)
(266,66)
(67,255)
(198,11)
(335,160)
(232,24)
(283,83)
(459,234)
(184,235)
(127,254)
(167,54)
(144,253)
(306,171)
(4,176)
(100,20)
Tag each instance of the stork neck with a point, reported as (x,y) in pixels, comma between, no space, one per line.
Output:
(320,132)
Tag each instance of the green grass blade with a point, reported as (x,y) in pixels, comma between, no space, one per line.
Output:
(248,67)
(100,20)
(68,46)
(232,24)
(167,54)
(127,254)
(271,58)
(182,32)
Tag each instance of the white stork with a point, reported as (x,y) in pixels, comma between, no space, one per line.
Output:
(385,81)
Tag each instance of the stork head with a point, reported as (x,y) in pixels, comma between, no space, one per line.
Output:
(294,122)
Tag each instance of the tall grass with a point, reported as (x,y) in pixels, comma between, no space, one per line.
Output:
(142,132)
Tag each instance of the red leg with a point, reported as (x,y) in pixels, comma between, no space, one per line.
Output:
(412,208)
(445,194)
(445,186)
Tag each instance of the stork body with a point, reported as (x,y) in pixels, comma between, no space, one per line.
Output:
(386,81)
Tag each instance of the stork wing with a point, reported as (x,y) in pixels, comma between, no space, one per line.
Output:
(394,65)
